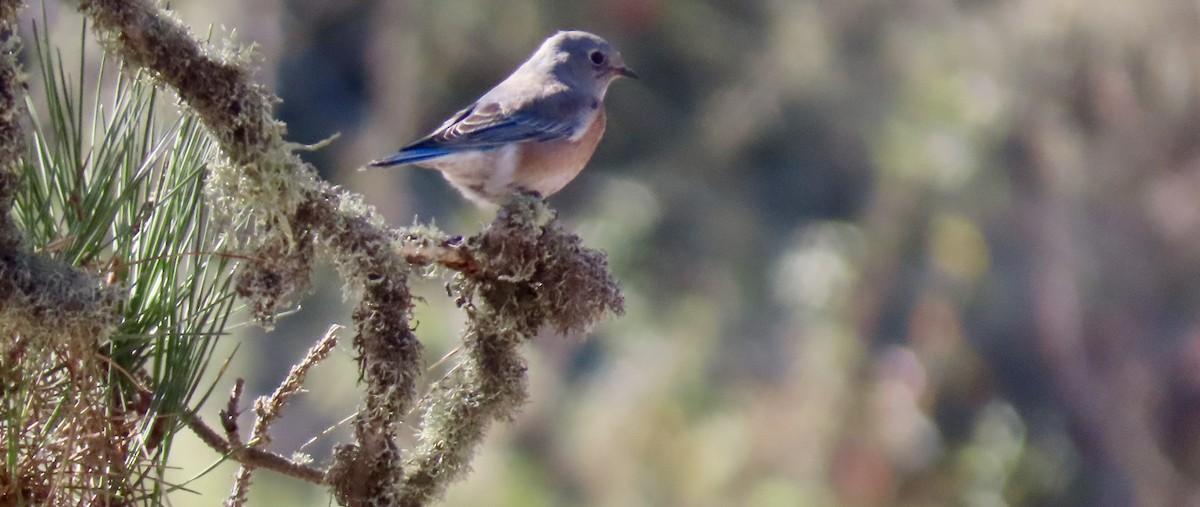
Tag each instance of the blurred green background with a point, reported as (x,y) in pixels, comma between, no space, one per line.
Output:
(875,253)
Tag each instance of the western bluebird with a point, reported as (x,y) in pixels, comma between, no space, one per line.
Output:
(534,131)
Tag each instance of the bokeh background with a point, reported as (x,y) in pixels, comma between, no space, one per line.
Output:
(875,253)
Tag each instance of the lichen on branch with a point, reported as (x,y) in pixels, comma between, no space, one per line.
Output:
(41,300)
(12,135)
(523,273)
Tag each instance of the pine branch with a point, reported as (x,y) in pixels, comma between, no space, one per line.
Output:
(522,273)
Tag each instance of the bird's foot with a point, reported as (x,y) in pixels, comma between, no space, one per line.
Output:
(529,203)
(534,194)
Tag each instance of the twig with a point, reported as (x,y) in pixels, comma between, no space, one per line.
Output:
(256,457)
(229,415)
(268,409)
(448,252)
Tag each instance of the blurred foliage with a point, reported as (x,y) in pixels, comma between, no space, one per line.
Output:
(874,253)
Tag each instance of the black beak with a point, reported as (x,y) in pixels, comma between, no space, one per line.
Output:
(627,72)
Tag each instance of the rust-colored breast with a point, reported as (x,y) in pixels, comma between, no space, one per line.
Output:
(548,166)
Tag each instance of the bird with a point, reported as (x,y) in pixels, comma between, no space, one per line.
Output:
(531,133)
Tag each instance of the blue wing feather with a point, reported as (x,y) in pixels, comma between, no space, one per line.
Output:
(411,156)
(486,127)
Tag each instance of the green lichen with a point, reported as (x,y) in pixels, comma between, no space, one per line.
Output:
(35,292)
(532,273)
(12,135)
(523,273)
(537,273)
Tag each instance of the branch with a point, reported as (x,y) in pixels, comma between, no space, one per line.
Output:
(12,136)
(422,250)
(50,302)
(524,272)
(528,273)
(268,409)
(294,214)
(40,299)
(257,458)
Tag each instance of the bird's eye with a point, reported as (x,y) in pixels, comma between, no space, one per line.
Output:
(597,58)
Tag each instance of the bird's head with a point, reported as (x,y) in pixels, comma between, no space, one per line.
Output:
(585,59)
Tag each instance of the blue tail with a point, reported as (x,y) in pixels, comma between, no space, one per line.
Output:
(409,156)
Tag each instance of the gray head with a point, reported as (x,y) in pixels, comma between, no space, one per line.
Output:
(583,59)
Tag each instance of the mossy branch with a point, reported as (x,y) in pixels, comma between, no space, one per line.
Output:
(267,409)
(295,214)
(41,300)
(12,136)
(521,274)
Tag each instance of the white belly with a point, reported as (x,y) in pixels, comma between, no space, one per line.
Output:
(484,177)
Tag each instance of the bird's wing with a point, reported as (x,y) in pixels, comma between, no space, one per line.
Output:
(489,124)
